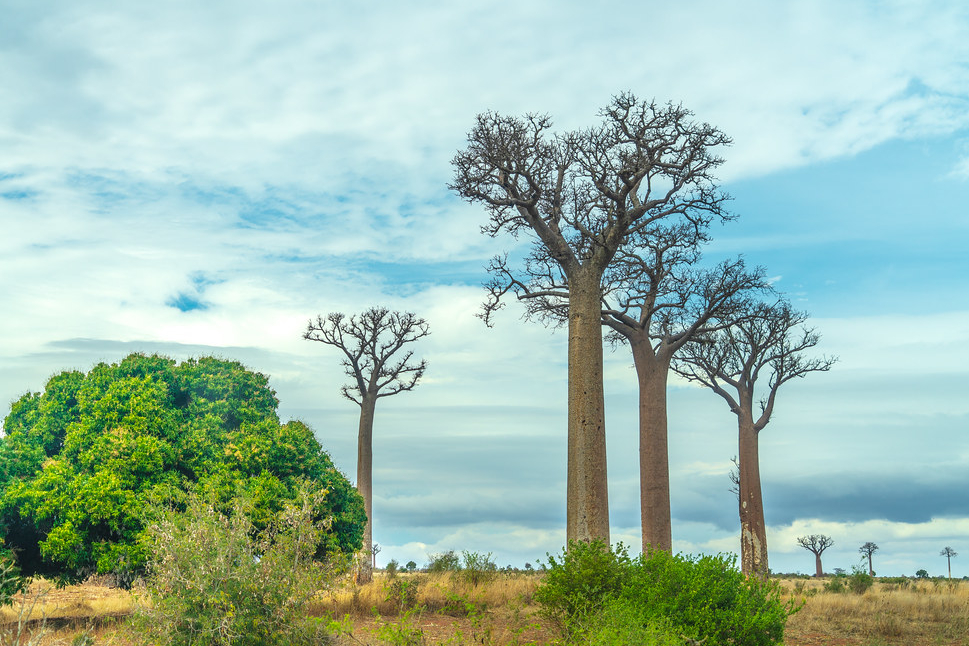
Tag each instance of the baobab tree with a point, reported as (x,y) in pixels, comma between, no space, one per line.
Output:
(948,553)
(816,544)
(657,301)
(867,550)
(580,197)
(769,342)
(376,359)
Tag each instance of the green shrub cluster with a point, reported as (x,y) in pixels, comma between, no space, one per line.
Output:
(82,461)
(444,562)
(215,580)
(592,587)
(859,582)
(478,567)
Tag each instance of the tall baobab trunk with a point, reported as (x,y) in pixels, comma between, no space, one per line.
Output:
(753,529)
(365,482)
(818,570)
(654,470)
(587,507)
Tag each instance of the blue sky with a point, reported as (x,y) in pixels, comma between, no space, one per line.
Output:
(202,178)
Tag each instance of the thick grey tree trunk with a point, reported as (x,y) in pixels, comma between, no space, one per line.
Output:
(753,529)
(652,371)
(587,507)
(365,483)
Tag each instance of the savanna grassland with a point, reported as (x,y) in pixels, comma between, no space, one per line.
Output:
(448,608)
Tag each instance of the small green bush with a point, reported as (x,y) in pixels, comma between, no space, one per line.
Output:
(579,583)
(212,582)
(621,624)
(478,567)
(444,562)
(859,581)
(704,598)
(836,584)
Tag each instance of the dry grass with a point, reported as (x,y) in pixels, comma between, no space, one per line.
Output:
(445,593)
(83,601)
(446,608)
(913,613)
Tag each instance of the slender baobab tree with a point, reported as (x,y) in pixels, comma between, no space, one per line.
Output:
(379,365)
(816,544)
(657,301)
(768,343)
(948,553)
(580,197)
(867,550)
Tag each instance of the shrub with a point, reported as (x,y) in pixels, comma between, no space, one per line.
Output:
(478,568)
(578,584)
(392,568)
(621,624)
(704,598)
(211,582)
(444,562)
(707,597)
(835,585)
(859,581)
(82,462)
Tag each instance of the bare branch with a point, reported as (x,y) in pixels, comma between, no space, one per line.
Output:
(764,338)
(815,543)
(369,342)
(584,195)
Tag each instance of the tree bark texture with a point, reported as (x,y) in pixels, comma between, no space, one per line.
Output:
(587,505)
(654,469)
(365,482)
(818,570)
(753,529)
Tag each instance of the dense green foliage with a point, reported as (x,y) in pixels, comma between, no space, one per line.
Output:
(82,461)
(216,581)
(622,623)
(704,598)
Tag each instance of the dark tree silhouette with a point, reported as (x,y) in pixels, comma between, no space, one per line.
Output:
(378,364)
(948,553)
(867,550)
(581,197)
(767,343)
(816,544)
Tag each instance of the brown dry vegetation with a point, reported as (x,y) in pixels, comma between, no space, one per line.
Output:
(446,608)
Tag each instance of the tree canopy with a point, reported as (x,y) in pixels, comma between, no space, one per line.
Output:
(82,463)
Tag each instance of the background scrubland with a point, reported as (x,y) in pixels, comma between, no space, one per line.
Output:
(447,608)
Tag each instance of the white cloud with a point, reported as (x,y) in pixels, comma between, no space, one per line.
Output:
(275,162)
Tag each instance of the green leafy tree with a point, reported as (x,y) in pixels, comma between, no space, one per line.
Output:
(81,462)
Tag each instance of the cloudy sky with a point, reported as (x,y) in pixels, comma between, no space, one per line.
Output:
(202,178)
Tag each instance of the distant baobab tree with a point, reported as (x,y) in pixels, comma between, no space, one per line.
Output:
(948,553)
(766,343)
(867,550)
(379,365)
(581,197)
(816,544)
